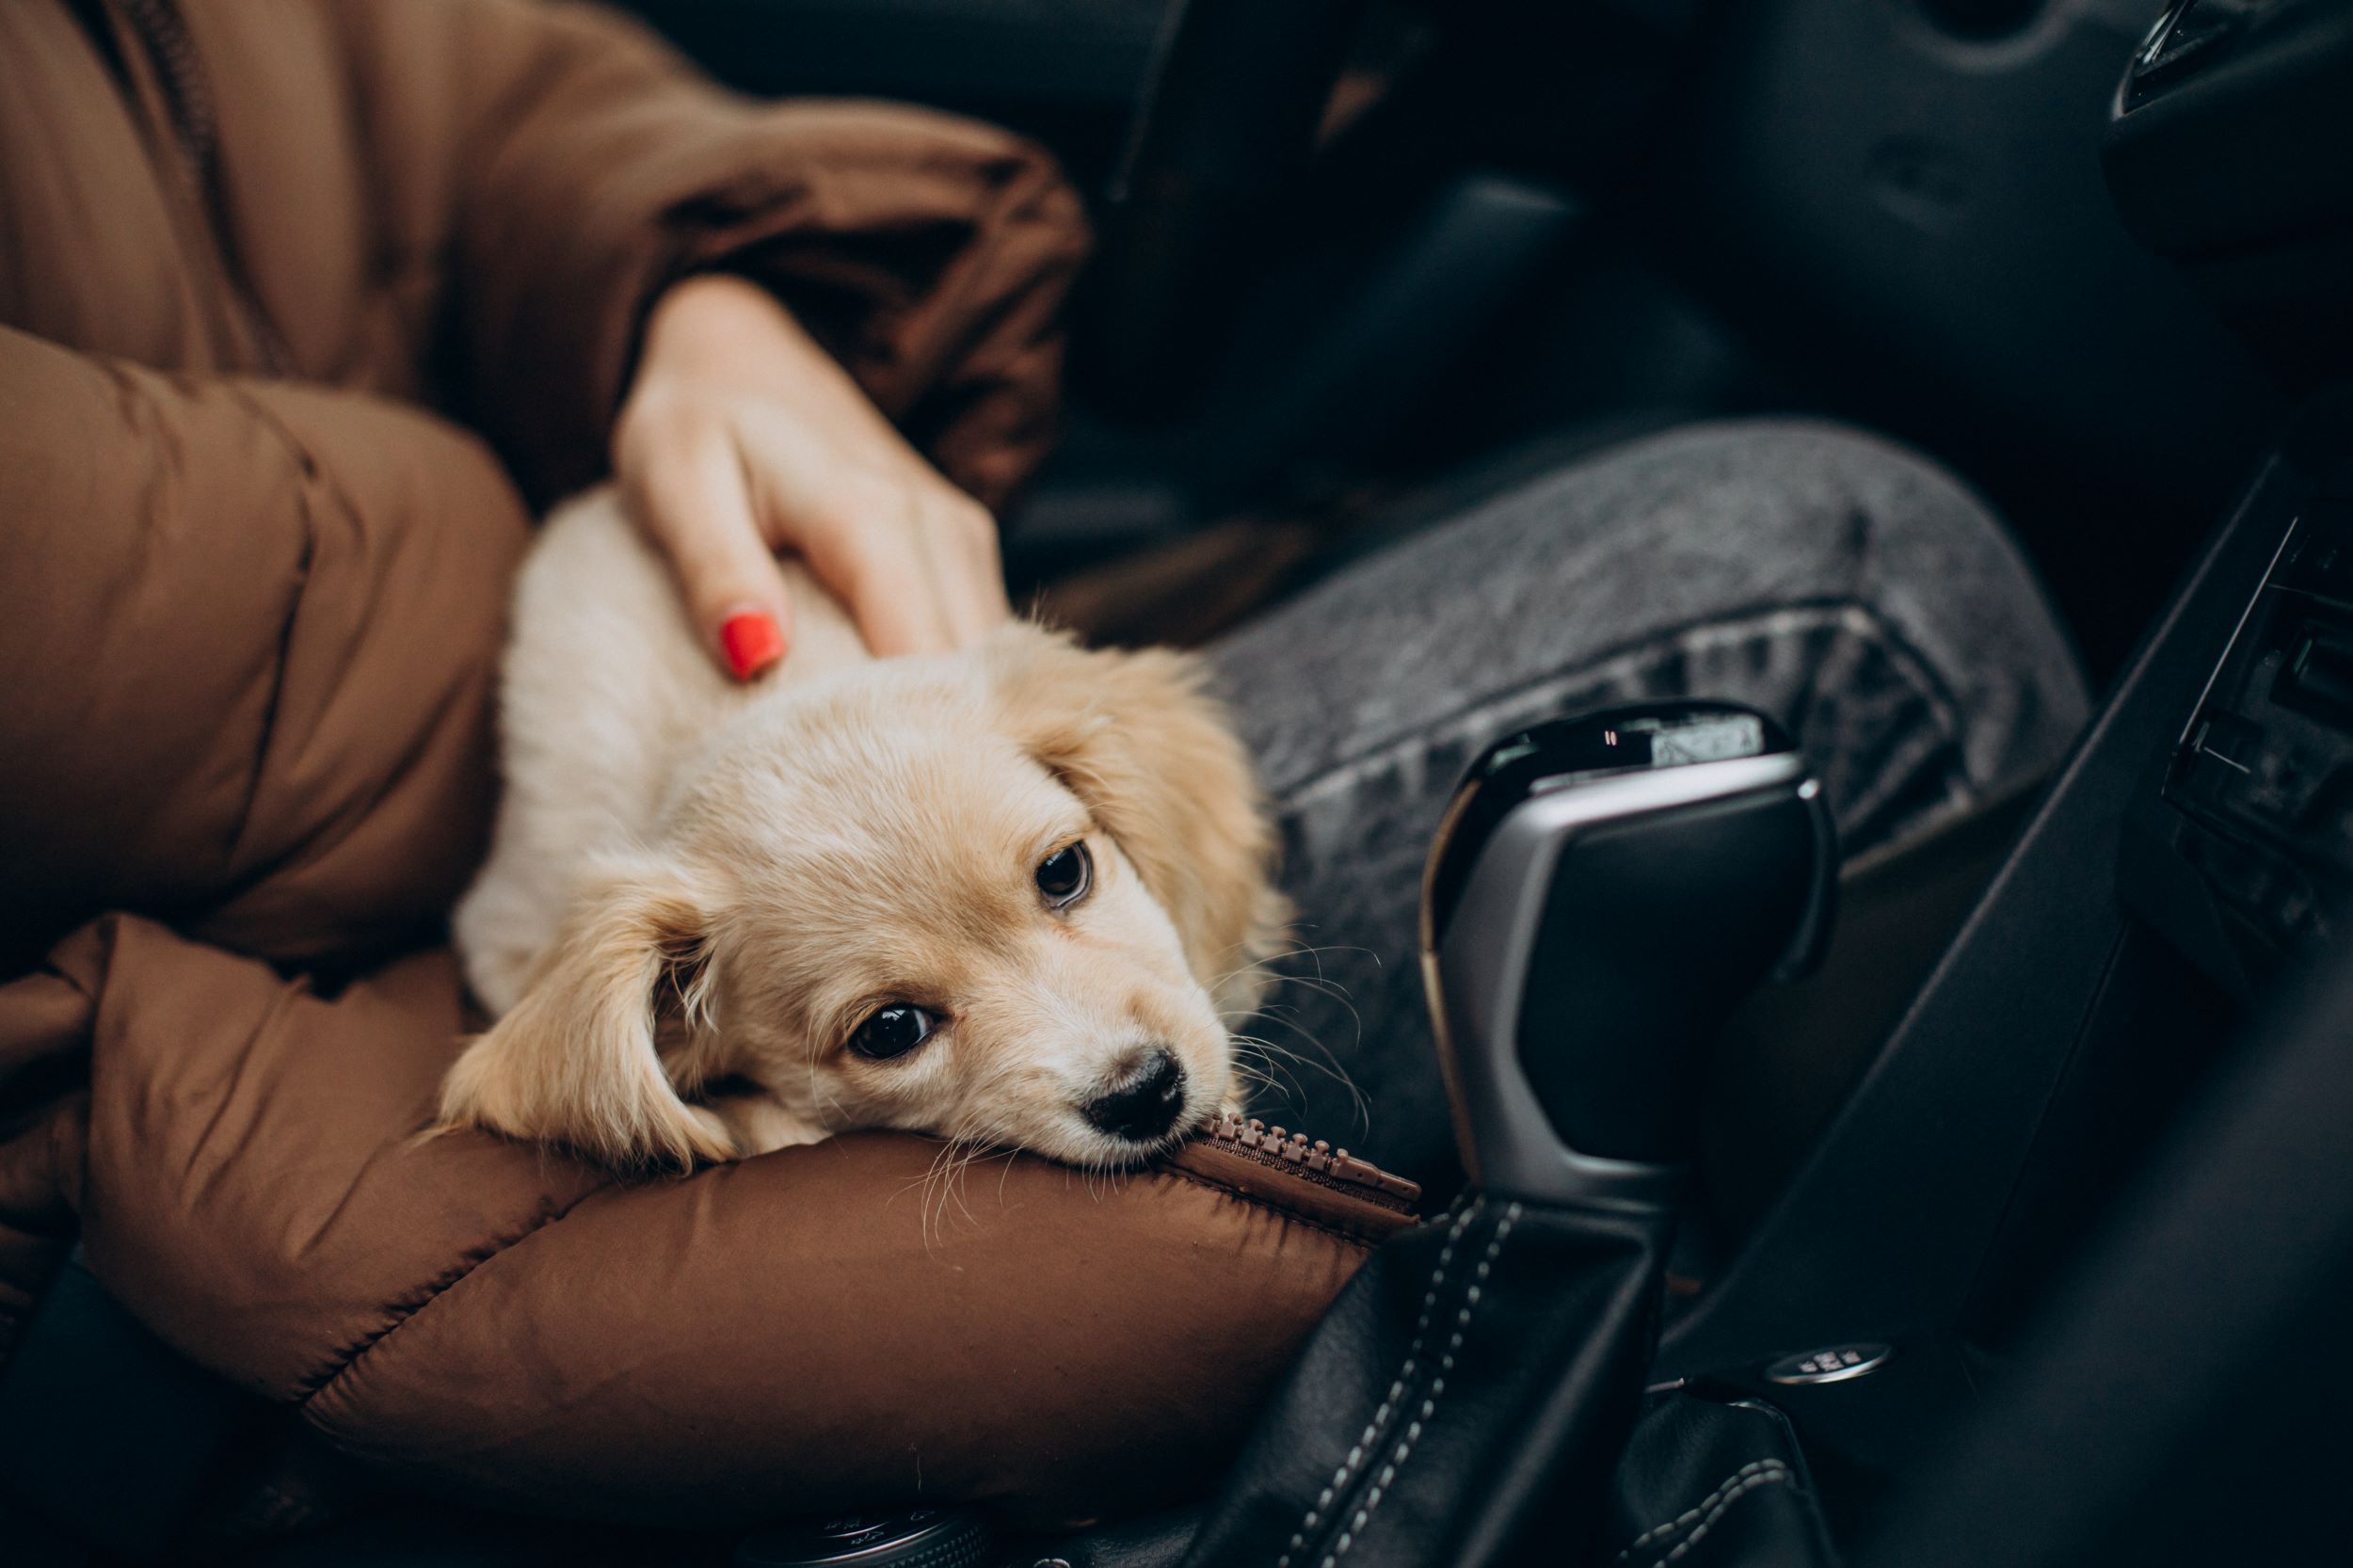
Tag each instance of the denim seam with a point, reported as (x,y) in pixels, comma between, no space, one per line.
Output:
(1775,621)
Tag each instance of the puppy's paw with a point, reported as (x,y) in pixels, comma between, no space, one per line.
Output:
(514,1083)
(761,1124)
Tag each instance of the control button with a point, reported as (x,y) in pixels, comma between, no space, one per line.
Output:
(1833,1364)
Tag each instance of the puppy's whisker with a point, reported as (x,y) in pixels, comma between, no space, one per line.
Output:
(955,1158)
(818,1098)
(939,1192)
(959,1186)
(1275,1053)
(1314,954)
(924,1185)
(1288,1085)
(1320,989)
(1253,1075)
(957,1150)
(1330,1067)
(1259,969)
(1317,984)
(1317,950)
(1276,1011)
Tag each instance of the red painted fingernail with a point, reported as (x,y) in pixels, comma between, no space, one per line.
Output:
(752,641)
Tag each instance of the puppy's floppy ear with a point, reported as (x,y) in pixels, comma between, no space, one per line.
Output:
(578,1061)
(1135,737)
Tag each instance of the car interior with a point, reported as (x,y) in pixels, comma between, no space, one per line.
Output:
(2013,1229)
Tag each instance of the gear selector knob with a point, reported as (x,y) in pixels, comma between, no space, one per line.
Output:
(1603,892)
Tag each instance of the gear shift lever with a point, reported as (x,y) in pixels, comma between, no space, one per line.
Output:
(1603,892)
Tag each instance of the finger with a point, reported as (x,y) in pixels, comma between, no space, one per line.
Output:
(878,569)
(957,619)
(915,563)
(694,504)
(967,573)
(857,532)
(992,608)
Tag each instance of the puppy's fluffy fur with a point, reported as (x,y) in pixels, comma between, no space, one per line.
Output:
(698,891)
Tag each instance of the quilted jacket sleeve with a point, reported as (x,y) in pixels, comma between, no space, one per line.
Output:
(581,166)
(246,636)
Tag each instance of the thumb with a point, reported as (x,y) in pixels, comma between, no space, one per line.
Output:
(696,509)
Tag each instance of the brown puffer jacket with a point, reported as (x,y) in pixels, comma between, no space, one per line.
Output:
(301,306)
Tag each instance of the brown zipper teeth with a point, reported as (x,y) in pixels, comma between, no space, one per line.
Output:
(1294,1151)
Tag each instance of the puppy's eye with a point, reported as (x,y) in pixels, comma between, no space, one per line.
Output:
(893,1030)
(1064,875)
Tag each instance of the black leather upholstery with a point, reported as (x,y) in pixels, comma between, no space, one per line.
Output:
(1713,1485)
(1469,1391)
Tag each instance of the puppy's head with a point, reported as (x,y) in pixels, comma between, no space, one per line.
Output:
(1003,897)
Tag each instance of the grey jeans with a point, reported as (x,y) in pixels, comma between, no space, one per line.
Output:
(1841,583)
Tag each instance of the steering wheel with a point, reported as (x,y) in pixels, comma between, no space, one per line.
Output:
(1227,120)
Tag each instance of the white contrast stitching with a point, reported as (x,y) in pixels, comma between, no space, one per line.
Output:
(1437,1387)
(1778,1473)
(1380,1416)
(1758,1472)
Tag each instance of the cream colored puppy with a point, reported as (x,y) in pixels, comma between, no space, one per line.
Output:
(1002,895)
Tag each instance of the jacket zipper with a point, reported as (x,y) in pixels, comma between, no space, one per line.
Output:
(1316,1161)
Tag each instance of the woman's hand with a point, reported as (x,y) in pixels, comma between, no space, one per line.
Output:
(740,438)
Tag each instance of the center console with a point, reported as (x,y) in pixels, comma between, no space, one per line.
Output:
(2060,1226)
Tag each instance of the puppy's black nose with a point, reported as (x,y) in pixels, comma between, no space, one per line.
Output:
(1147,1105)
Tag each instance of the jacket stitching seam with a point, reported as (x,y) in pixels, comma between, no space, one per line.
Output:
(434,1293)
(303,465)
(351,1360)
